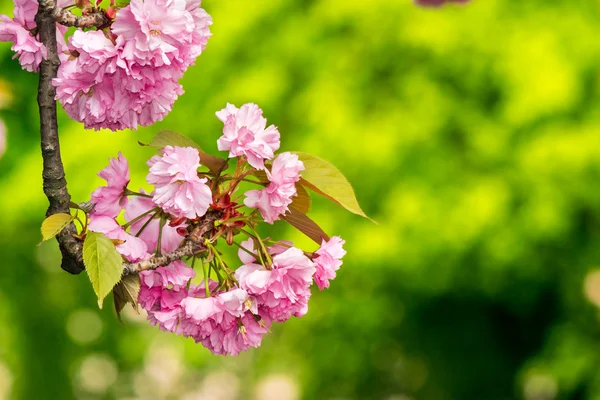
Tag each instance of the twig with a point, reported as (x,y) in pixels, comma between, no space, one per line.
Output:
(55,184)
(96,19)
(192,245)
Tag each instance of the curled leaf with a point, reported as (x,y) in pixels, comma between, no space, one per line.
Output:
(127,292)
(54,224)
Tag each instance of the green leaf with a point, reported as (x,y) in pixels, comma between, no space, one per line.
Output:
(127,291)
(54,224)
(103,264)
(323,178)
(301,201)
(170,138)
(305,225)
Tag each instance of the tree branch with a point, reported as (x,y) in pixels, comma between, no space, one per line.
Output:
(193,244)
(55,184)
(96,19)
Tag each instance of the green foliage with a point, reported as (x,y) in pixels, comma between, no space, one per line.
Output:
(54,224)
(326,180)
(103,264)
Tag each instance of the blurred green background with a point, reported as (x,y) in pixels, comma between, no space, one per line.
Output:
(470,133)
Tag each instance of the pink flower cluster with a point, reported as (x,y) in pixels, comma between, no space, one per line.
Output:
(131,78)
(20,31)
(231,321)
(178,192)
(231,309)
(126,75)
(245,135)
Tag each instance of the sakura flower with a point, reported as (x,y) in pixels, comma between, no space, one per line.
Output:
(133,248)
(178,189)
(237,335)
(19,30)
(138,205)
(274,200)
(27,48)
(245,134)
(328,260)
(163,32)
(176,275)
(110,199)
(282,291)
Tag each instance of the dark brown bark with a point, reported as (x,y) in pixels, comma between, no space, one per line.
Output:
(55,184)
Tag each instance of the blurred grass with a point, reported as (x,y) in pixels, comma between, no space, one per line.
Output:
(470,134)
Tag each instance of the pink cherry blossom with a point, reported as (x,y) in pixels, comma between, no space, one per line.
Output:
(245,134)
(177,188)
(328,260)
(236,335)
(133,249)
(19,30)
(132,80)
(110,199)
(138,205)
(27,48)
(282,291)
(274,200)
(175,275)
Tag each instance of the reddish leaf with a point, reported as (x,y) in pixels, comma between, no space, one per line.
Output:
(305,225)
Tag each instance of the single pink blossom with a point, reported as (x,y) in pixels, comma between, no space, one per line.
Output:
(236,335)
(273,201)
(282,291)
(177,188)
(133,249)
(328,260)
(19,30)
(176,275)
(138,205)
(245,134)
(27,48)
(109,200)
(162,32)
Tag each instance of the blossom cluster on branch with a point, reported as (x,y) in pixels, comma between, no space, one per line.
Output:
(125,73)
(235,302)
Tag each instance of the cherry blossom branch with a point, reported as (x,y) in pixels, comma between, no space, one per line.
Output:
(192,245)
(55,184)
(96,19)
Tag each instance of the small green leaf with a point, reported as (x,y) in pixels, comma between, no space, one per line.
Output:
(103,264)
(305,225)
(127,291)
(301,201)
(323,178)
(170,138)
(54,224)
